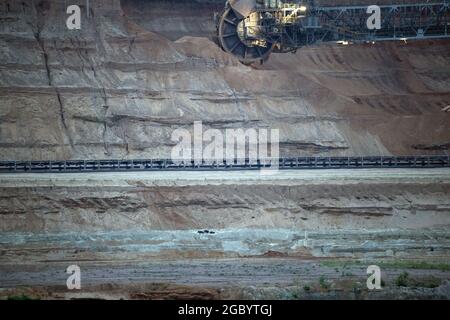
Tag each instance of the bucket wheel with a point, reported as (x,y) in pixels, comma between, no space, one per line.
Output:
(230,41)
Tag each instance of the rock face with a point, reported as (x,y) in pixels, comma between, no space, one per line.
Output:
(273,235)
(247,214)
(118,87)
(370,206)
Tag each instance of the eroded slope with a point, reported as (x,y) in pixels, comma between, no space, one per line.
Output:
(115,90)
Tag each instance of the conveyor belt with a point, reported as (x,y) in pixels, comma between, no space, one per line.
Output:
(74,166)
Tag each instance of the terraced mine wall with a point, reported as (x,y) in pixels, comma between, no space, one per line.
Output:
(394,212)
(118,87)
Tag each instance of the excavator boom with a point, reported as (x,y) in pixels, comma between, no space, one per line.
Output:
(252,29)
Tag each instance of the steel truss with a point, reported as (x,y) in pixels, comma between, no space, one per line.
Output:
(349,23)
(77,166)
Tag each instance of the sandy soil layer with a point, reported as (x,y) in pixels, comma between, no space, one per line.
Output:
(255,177)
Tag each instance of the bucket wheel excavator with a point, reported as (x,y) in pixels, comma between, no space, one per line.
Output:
(252,29)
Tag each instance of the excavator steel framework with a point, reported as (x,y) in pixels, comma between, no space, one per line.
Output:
(77,166)
(252,29)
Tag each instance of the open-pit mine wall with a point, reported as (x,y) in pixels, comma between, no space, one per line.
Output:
(137,70)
